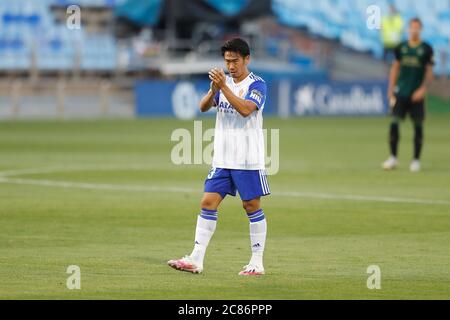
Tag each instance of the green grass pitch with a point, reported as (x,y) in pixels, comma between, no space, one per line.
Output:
(106,197)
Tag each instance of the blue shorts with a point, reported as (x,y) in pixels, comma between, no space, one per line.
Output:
(251,184)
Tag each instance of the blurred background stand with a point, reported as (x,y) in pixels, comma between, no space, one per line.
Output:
(120,43)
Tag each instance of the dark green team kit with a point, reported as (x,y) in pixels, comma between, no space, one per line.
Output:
(413,65)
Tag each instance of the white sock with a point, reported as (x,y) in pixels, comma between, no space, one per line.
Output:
(206,225)
(258,231)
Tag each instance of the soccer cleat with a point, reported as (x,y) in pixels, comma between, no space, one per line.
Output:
(252,270)
(415,166)
(390,163)
(186,264)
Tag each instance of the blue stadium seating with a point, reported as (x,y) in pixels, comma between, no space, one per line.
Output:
(28,24)
(345,21)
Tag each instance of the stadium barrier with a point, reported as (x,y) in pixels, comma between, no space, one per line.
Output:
(64,99)
(286,98)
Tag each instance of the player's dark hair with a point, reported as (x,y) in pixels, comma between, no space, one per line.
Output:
(416,19)
(237,45)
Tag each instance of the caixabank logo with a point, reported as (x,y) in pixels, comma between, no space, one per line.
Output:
(339,99)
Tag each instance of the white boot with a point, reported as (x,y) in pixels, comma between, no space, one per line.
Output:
(415,166)
(390,163)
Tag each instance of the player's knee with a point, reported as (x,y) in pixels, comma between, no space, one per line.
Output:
(395,120)
(418,125)
(207,204)
(250,206)
(394,126)
(210,202)
(394,131)
(418,131)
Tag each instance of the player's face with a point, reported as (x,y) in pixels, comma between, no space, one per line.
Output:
(415,28)
(235,63)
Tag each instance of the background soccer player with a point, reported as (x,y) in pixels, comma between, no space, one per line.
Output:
(238,163)
(411,72)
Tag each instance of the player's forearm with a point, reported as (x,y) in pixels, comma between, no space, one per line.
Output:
(244,107)
(429,76)
(393,77)
(207,101)
(422,90)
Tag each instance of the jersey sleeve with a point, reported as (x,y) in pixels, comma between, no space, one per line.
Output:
(216,98)
(429,56)
(398,52)
(257,93)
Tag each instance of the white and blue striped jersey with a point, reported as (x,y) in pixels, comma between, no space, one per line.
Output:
(239,141)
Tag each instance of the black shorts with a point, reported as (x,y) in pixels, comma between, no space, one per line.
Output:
(404,105)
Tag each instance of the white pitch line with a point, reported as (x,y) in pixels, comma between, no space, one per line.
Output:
(92,186)
(18,172)
(117,187)
(363,198)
